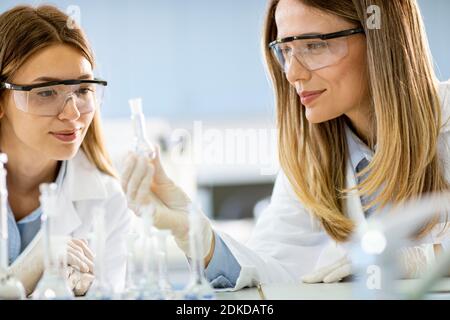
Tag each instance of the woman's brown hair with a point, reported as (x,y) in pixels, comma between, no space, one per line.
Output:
(406,117)
(24,30)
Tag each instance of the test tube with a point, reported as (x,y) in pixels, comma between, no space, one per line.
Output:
(53,284)
(10,287)
(142,145)
(198,287)
(101,289)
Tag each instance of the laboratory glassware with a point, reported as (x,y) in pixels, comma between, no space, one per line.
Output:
(379,242)
(161,237)
(53,284)
(141,279)
(101,288)
(198,287)
(10,287)
(146,249)
(142,145)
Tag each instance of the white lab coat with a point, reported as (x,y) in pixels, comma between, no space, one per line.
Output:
(288,242)
(84,188)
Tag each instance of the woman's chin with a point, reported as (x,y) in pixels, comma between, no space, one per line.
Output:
(314,116)
(65,153)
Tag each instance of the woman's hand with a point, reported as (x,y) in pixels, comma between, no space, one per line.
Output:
(330,274)
(146,183)
(80,266)
(413,262)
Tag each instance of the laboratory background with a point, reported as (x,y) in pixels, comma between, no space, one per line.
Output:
(198,67)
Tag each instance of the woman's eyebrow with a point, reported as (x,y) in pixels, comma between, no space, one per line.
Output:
(301,35)
(48,79)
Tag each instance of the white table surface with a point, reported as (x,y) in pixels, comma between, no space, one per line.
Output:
(321,291)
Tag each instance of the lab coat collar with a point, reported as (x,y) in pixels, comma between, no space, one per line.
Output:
(358,150)
(82,182)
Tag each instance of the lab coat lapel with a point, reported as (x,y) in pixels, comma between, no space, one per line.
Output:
(81,182)
(67,219)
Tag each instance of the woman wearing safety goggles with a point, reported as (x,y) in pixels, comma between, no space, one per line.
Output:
(50,131)
(363,122)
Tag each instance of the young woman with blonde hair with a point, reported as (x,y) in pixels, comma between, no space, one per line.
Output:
(359,108)
(51,132)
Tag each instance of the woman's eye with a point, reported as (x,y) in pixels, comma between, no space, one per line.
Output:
(46,93)
(285,51)
(85,91)
(316,46)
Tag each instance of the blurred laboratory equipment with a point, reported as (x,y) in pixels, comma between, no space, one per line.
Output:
(101,288)
(148,284)
(437,272)
(161,237)
(142,145)
(10,287)
(147,263)
(130,291)
(142,276)
(379,248)
(198,287)
(53,284)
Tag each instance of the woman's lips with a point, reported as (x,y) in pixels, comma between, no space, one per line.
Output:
(66,136)
(309,96)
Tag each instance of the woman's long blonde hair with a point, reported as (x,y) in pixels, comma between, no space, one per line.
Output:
(24,30)
(406,118)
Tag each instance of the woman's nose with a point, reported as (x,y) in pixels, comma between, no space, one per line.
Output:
(70,110)
(296,71)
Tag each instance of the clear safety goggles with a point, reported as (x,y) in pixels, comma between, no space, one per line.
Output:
(315,51)
(50,98)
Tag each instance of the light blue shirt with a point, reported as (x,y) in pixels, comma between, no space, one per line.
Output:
(223,270)
(21,233)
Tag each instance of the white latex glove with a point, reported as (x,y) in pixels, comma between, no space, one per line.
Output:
(414,261)
(79,282)
(79,256)
(80,266)
(145,182)
(330,274)
(29,266)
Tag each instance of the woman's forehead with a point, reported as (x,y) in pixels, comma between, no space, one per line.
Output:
(57,62)
(294,18)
